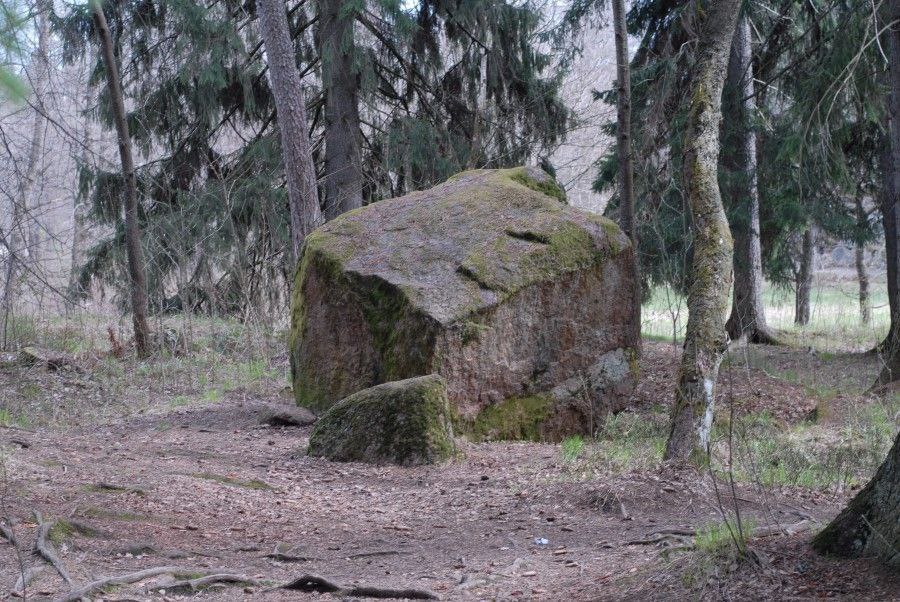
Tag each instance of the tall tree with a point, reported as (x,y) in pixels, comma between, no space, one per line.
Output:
(290,102)
(136,270)
(20,244)
(870,524)
(705,338)
(626,161)
(340,85)
(891,198)
(748,316)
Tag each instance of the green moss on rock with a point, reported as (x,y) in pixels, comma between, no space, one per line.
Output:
(405,422)
(539,181)
(517,418)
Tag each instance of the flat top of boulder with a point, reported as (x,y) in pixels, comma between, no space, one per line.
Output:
(470,242)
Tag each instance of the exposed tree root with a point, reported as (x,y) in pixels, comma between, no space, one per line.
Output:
(313,583)
(46,550)
(193,585)
(101,584)
(767,531)
(25,579)
(8,535)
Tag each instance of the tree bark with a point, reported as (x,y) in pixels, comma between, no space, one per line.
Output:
(748,316)
(340,79)
(290,103)
(626,161)
(705,339)
(19,244)
(805,277)
(890,221)
(870,524)
(862,273)
(136,268)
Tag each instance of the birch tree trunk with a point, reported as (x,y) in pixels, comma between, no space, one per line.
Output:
(136,267)
(705,339)
(626,161)
(340,78)
(290,102)
(748,316)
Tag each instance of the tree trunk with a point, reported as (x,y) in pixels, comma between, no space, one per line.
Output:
(626,161)
(80,206)
(18,242)
(748,316)
(805,277)
(862,273)
(340,79)
(290,102)
(39,78)
(870,524)
(705,339)
(891,212)
(136,269)
(890,220)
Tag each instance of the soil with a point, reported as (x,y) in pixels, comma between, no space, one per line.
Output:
(210,487)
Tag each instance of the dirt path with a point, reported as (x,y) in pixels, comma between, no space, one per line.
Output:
(211,487)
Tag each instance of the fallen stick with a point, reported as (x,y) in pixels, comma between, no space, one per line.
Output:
(46,550)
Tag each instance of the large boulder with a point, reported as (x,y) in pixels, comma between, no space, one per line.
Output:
(521,302)
(406,422)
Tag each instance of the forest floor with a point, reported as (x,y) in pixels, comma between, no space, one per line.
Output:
(168,462)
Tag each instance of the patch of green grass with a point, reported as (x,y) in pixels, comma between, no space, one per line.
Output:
(809,455)
(95,512)
(179,401)
(723,538)
(250,484)
(7,418)
(572,447)
(212,395)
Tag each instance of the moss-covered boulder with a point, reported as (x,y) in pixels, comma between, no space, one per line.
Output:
(488,280)
(405,422)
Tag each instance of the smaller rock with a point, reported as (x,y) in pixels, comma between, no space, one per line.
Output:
(290,416)
(405,422)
